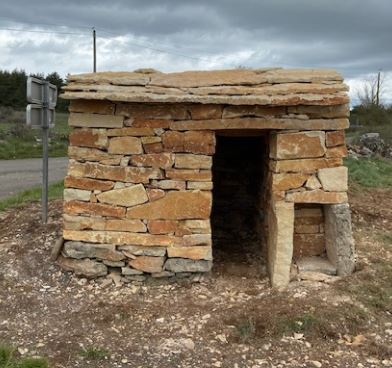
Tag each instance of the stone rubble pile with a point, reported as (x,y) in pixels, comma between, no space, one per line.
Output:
(138,193)
(370,144)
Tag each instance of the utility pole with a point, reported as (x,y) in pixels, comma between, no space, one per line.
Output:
(378,89)
(94,51)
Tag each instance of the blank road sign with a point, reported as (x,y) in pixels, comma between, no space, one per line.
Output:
(35,117)
(35,92)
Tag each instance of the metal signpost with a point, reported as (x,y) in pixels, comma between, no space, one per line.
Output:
(40,114)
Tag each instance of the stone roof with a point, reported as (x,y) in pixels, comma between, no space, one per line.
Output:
(269,86)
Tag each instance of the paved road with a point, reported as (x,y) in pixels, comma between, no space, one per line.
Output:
(19,175)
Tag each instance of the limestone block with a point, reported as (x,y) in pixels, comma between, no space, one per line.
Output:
(125,145)
(88,154)
(190,161)
(199,185)
(334,179)
(339,151)
(306,245)
(175,206)
(162,226)
(286,181)
(324,112)
(161,160)
(197,239)
(76,194)
(95,120)
(151,123)
(152,111)
(169,184)
(75,249)
(187,265)
(205,111)
(198,226)
(148,264)
(305,166)
(127,197)
(154,194)
(143,251)
(83,267)
(128,271)
(297,145)
(133,226)
(120,238)
(93,138)
(306,228)
(317,196)
(316,264)
(312,183)
(92,107)
(254,111)
(339,240)
(95,209)
(189,174)
(191,252)
(88,184)
(193,142)
(153,147)
(335,138)
(280,242)
(130,131)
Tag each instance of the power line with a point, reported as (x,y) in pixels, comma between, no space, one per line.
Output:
(48,32)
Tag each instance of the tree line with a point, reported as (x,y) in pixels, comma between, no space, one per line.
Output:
(13,88)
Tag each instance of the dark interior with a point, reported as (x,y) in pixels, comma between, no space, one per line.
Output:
(237,211)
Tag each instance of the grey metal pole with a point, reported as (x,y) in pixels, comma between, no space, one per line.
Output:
(94,51)
(45,154)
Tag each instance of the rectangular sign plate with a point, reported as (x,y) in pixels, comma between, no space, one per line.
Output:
(35,90)
(35,116)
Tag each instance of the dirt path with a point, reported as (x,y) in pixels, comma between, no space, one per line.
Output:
(224,320)
(19,175)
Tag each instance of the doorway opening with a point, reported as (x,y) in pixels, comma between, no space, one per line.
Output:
(237,219)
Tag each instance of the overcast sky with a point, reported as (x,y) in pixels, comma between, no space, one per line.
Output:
(353,36)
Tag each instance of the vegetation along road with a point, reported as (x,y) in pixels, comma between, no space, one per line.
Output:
(18,175)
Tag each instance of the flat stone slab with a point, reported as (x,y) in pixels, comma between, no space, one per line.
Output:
(316,264)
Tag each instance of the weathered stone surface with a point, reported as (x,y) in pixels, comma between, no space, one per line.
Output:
(187,265)
(306,229)
(199,185)
(115,161)
(305,166)
(190,161)
(339,240)
(122,174)
(335,138)
(175,206)
(169,184)
(198,252)
(205,111)
(189,174)
(325,112)
(254,111)
(88,184)
(151,123)
(120,238)
(287,181)
(260,123)
(313,183)
(75,249)
(151,140)
(130,196)
(334,179)
(153,147)
(280,242)
(161,160)
(198,226)
(92,107)
(298,145)
(148,264)
(197,239)
(154,194)
(95,209)
(99,223)
(93,138)
(83,267)
(95,120)
(162,274)
(130,131)
(76,194)
(316,264)
(317,196)
(339,151)
(87,154)
(125,145)
(128,271)
(306,245)
(153,111)
(113,264)
(162,226)
(143,251)
(192,142)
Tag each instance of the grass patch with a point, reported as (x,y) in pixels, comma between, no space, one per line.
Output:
(19,141)
(94,353)
(246,329)
(30,195)
(370,172)
(8,359)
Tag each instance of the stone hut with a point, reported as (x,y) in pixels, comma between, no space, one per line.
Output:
(161,163)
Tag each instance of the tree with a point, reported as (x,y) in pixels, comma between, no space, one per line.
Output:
(370,93)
